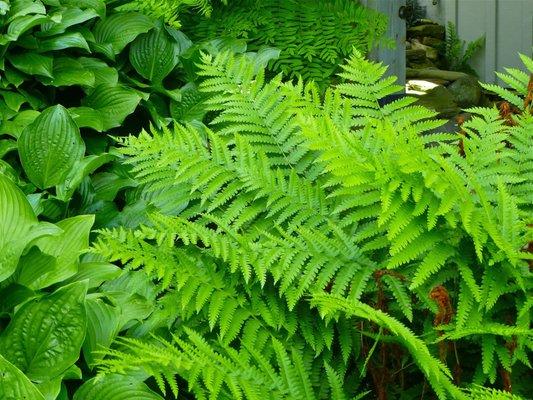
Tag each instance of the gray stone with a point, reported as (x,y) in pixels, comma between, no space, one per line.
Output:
(466,91)
(416,55)
(441,101)
(431,53)
(434,31)
(432,42)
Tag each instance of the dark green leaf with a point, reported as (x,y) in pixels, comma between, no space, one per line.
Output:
(120,29)
(115,103)
(154,55)
(50,147)
(45,336)
(33,64)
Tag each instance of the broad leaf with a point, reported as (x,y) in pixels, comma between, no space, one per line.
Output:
(14,385)
(50,147)
(103,326)
(45,336)
(81,170)
(115,387)
(115,103)
(33,64)
(64,41)
(87,117)
(118,30)
(103,73)
(56,258)
(68,72)
(70,17)
(154,55)
(16,222)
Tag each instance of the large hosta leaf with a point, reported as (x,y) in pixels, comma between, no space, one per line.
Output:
(45,336)
(114,103)
(16,221)
(50,146)
(154,55)
(115,387)
(14,385)
(118,30)
(56,258)
(33,64)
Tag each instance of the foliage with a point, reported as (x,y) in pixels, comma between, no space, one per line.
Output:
(402,239)
(457,53)
(313,36)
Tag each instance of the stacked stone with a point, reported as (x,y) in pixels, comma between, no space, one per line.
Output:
(449,92)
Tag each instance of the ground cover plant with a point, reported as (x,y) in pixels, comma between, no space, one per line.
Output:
(177,221)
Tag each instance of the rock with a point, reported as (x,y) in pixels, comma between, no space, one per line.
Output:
(430,30)
(426,64)
(441,101)
(466,91)
(439,82)
(431,41)
(416,55)
(431,53)
(431,73)
(424,21)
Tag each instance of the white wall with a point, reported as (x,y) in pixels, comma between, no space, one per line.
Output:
(506,24)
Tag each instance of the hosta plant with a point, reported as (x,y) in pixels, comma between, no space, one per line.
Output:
(323,247)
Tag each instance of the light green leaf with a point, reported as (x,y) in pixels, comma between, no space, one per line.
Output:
(103,326)
(7,145)
(33,64)
(115,387)
(14,385)
(154,55)
(13,100)
(50,147)
(82,169)
(120,29)
(45,336)
(16,222)
(56,258)
(115,103)
(25,7)
(96,273)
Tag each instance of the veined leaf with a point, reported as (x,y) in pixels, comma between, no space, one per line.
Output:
(154,55)
(115,387)
(50,147)
(87,117)
(64,41)
(14,385)
(56,258)
(115,103)
(70,17)
(45,336)
(16,221)
(119,30)
(33,64)
(68,72)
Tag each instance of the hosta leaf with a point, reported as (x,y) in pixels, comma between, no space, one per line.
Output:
(119,30)
(115,387)
(14,385)
(15,126)
(70,17)
(154,55)
(50,147)
(45,336)
(64,41)
(81,170)
(56,258)
(22,24)
(103,73)
(33,64)
(103,325)
(115,103)
(69,71)
(87,117)
(16,221)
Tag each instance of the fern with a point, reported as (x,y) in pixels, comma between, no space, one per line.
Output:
(313,36)
(291,196)
(457,53)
